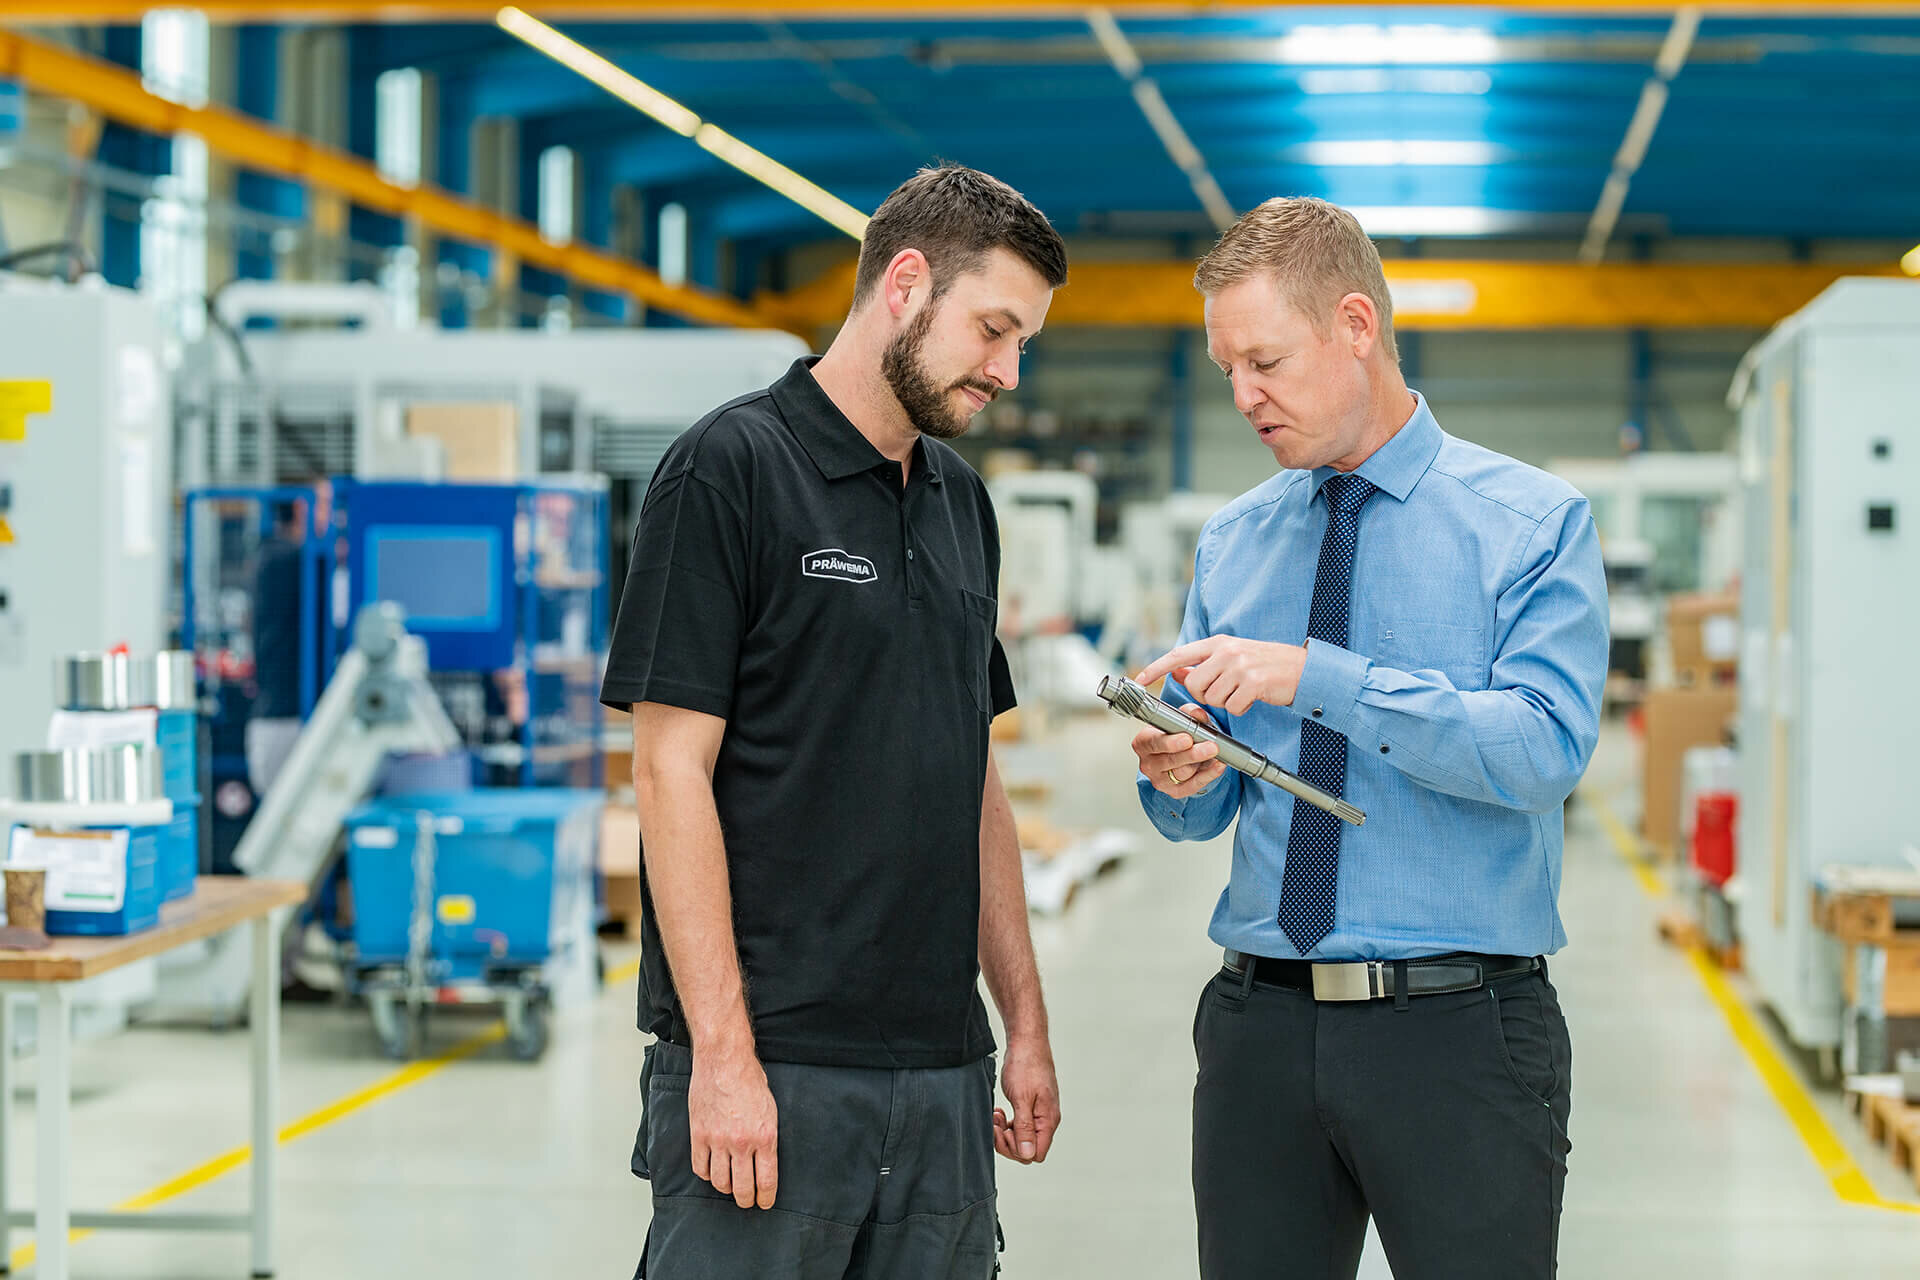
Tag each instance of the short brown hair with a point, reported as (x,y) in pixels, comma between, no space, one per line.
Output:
(1316,252)
(956,216)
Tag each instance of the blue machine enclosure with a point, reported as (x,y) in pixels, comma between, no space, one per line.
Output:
(511,868)
(139,906)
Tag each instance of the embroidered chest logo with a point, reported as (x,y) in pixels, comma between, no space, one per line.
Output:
(838,564)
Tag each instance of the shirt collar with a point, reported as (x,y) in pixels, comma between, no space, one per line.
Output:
(829,437)
(1397,465)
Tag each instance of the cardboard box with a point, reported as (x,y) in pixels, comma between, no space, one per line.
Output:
(482,441)
(1703,635)
(620,865)
(1677,719)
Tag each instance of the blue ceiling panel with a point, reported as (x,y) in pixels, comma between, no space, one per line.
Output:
(1787,125)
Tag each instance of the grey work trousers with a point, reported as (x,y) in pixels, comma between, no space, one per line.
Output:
(884,1175)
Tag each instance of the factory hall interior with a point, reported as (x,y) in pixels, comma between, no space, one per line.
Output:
(984,640)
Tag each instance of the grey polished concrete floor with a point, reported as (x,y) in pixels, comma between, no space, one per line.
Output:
(1683,1163)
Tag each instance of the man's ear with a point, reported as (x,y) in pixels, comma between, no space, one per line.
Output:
(1357,322)
(908,277)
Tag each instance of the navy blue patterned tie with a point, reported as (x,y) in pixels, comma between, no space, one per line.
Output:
(1313,843)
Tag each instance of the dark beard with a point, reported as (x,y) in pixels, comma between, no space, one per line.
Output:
(929,407)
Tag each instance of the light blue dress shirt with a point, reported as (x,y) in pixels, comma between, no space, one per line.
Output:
(1470,698)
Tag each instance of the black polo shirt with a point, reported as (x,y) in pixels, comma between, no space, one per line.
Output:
(843,626)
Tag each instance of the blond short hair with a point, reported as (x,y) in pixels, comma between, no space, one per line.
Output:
(1316,252)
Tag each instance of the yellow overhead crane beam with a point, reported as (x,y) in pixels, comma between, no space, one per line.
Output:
(107,11)
(118,94)
(1433,294)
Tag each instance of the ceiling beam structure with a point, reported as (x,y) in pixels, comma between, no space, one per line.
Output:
(1433,294)
(71,12)
(119,95)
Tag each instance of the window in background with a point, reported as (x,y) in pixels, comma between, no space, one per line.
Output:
(557,194)
(398,116)
(1674,525)
(673,243)
(396,125)
(175,59)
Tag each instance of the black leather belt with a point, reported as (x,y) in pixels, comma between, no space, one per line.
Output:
(1375,979)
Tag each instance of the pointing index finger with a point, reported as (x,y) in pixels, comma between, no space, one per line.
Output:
(1186,655)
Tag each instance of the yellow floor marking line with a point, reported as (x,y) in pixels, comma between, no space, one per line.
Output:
(222,1165)
(1849,1182)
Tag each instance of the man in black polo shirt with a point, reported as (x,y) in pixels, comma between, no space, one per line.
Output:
(806,640)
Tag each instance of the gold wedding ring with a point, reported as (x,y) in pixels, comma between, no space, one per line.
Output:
(1175,781)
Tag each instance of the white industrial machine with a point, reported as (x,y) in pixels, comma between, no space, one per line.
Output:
(1684,506)
(378,702)
(1160,540)
(84,493)
(323,397)
(1047,519)
(1830,467)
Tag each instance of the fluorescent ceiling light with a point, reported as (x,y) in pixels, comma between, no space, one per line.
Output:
(1439,220)
(1396,151)
(1365,44)
(758,164)
(575,56)
(643,97)
(1402,80)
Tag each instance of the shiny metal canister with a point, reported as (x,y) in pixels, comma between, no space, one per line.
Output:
(173,680)
(89,775)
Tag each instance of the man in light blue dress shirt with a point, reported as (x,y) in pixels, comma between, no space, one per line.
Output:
(1419,625)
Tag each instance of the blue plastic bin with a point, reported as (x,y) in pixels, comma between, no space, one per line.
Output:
(511,868)
(177,734)
(180,851)
(139,905)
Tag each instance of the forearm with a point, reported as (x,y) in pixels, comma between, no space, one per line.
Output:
(1006,943)
(1520,748)
(686,864)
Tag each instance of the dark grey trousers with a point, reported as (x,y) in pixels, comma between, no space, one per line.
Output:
(884,1175)
(1445,1120)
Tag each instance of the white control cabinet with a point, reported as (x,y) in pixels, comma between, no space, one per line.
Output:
(1829,721)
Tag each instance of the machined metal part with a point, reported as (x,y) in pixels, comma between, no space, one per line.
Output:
(89,775)
(1129,699)
(174,686)
(96,682)
(122,682)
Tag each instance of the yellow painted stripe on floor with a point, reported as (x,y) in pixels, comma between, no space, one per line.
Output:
(221,1165)
(1849,1182)
(1628,847)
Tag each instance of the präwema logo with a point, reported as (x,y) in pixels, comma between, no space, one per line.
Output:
(837,564)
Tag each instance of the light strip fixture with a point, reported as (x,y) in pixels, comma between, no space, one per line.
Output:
(649,101)
(1646,118)
(1147,96)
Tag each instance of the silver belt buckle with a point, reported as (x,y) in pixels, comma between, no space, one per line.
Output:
(1360,980)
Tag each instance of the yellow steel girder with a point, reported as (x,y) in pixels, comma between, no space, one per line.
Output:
(106,11)
(118,93)
(1433,294)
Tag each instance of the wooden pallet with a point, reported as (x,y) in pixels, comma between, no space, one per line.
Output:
(1893,1124)
(1679,929)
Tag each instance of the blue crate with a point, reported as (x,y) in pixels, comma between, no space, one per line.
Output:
(177,734)
(139,906)
(511,868)
(180,851)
